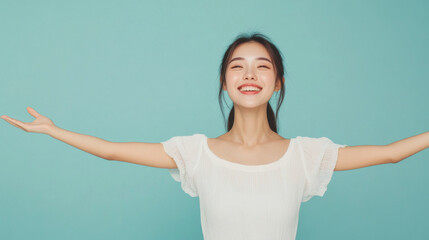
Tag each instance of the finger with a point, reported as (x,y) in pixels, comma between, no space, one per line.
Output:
(33,112)
(15,123)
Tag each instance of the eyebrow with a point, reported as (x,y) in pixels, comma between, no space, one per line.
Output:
(240,58)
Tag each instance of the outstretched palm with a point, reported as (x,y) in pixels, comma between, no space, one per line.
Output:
(40,125)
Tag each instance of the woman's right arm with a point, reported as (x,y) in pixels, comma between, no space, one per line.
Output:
(148,154)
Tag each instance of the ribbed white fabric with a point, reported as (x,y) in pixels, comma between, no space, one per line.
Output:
(246,202)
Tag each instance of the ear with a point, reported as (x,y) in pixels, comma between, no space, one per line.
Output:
(224,85)
(278,84)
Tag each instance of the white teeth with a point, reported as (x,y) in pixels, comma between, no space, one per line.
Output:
(249,88)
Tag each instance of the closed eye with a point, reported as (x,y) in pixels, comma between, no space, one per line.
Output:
(259,66)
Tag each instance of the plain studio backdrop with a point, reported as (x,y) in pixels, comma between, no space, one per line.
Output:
(135,71)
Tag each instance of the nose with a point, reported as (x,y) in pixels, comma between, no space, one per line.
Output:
(249,75)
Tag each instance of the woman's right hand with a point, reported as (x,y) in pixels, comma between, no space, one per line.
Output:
(41,124)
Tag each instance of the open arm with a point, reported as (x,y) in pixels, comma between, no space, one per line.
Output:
(148,154)
(353,157)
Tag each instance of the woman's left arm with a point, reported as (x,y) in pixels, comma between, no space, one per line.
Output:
(352,157)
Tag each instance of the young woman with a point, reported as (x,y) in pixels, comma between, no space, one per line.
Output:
(250,181)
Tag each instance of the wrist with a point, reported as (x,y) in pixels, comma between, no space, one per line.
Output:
(51,129)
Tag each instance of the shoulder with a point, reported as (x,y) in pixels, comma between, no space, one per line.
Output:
(313,140)
(185,145)
(190,138)
(313,145)
(190,141)
(317,145)
(186,141)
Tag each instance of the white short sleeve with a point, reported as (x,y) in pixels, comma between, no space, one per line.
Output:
(185,150)
(319,160)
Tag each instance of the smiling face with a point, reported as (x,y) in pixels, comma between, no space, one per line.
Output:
(250,63)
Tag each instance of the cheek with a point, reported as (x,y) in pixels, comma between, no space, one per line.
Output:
(269,74)
(268,78)
(230,74)
(232,77)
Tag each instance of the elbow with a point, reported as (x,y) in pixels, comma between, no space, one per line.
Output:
(108,157)
(391,153)
(394,159)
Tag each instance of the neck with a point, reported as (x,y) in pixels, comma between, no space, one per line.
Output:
(250,126)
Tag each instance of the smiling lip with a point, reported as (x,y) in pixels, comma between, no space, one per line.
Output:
(250,92)
(249,84)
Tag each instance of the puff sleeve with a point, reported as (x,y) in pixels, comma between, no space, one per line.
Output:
(319,157)
(185,152)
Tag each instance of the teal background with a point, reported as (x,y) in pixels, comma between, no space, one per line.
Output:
(140,71)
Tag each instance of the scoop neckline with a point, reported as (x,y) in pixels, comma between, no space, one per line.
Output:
(240,166)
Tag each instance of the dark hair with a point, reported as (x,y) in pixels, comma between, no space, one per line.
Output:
(277,58)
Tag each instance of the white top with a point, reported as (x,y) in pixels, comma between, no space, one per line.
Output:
(246,202)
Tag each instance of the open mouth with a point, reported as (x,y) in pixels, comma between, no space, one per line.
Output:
(249,90)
